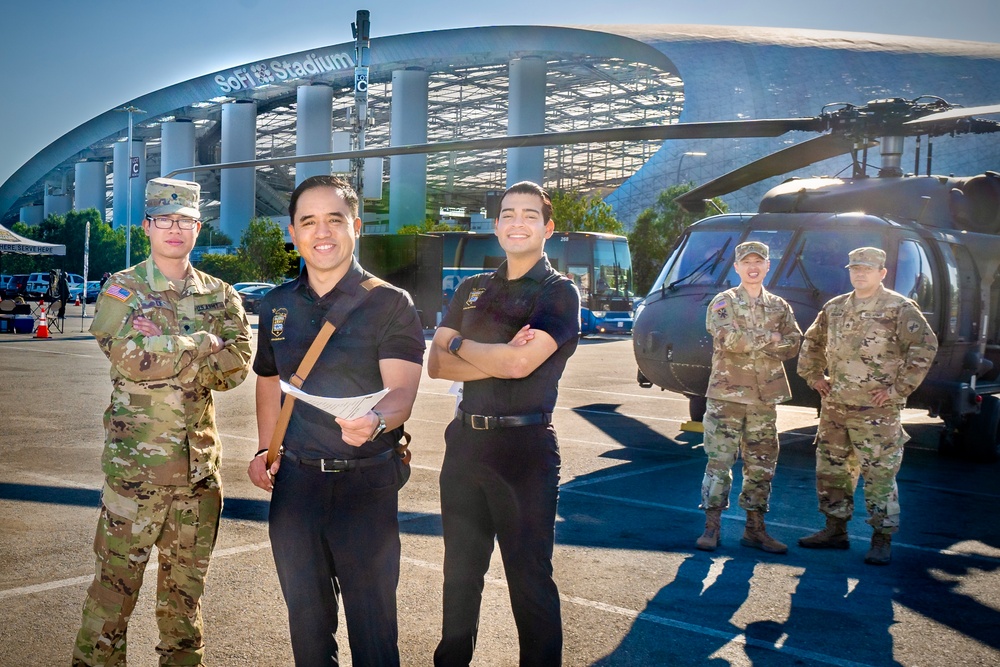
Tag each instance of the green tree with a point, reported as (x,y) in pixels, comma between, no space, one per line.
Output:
(229,268)
(429,225)
(262,251)
(211,236)
(655,232)
(140,245)
(107,246)
(574,212)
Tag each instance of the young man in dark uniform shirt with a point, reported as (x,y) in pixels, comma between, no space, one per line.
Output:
(333,523)
(507,336)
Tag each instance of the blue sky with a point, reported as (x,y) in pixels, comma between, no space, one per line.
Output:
(66,61)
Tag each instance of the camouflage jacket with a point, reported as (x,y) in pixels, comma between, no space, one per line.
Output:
(864,346)
(161,422)
(746,363)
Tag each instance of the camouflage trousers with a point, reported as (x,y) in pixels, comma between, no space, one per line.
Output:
(746,429)
(861,441)
(182,522)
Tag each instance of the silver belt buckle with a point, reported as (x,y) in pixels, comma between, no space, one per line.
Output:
(322,466)
(480,422)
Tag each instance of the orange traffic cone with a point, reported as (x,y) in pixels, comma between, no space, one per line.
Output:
(77,300)
(43,326)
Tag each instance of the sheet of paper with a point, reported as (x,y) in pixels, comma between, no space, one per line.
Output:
(351,407)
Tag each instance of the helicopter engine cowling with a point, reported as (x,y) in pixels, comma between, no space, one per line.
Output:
(975,205)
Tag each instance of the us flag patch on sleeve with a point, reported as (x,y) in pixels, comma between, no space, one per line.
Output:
(118,292)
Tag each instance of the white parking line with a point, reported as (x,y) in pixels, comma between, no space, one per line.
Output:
(730,637)
(619,500)
(39,348)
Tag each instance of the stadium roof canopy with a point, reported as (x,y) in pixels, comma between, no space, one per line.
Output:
(597,77)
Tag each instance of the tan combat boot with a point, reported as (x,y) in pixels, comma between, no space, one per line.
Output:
(834,536)
(713,526)
(756,537)
(880,552)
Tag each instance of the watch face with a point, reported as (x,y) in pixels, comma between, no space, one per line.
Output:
(455,344)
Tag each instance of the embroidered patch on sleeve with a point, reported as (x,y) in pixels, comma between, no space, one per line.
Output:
(118,292)
(720,305)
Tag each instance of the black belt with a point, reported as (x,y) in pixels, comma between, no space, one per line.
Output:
(488,423)
(340,465)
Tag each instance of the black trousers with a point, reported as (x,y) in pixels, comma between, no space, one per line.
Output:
(501,484)
(333,535)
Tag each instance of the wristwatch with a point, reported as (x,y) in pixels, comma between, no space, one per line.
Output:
(455,345)
(378,429)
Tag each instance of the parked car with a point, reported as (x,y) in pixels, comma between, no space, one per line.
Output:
(38,283)
(4,279)
(252,295)
(17,284)
(239,287)
(93,289)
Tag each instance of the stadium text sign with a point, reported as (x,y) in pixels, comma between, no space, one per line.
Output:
(259,74)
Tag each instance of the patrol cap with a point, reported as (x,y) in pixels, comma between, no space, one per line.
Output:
(751,248)
(166,196)
(872,257)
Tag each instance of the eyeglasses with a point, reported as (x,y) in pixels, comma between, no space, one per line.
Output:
(167,223)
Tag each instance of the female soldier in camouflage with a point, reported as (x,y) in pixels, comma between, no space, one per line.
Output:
(753,332)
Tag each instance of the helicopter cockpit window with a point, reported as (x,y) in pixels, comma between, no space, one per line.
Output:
(701,259)
(819,260)
(777,243)
(913,277)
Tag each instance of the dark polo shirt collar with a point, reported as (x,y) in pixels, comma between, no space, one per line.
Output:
(538,272)
(349,284)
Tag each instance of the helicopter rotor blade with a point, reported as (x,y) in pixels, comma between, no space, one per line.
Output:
(708,130)
(786,160)
(953,114)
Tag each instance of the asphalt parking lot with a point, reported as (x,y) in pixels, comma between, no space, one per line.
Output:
(634,589)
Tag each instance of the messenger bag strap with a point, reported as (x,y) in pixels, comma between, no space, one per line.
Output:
(333,321)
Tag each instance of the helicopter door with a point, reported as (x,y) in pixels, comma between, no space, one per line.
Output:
(963,293)
(914,279)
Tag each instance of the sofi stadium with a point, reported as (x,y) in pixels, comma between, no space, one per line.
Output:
(495,81)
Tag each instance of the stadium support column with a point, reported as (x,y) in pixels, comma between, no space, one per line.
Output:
(526,115)
(32,214)
(313,129)
(55,203)
(408,173)
(239,142)
(121,184)
(177,147)
(91,187)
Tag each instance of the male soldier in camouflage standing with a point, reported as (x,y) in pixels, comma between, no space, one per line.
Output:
(173,334)
(753,331)
(875,348)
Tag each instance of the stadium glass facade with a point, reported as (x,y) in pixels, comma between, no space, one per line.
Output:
(596,77)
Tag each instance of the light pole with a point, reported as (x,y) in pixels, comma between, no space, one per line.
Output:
(130,109)
(677,178)
(361,29)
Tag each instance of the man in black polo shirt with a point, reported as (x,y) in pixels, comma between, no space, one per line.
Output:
(333,524)
(507,336)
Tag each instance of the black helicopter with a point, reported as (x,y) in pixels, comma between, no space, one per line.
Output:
(941,235)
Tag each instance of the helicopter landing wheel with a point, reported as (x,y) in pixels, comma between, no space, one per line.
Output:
(696,407)
(979,437)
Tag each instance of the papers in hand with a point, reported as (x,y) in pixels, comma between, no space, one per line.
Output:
(345,408)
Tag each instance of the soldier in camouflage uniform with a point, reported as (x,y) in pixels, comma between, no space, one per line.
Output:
(865,353)
(173,334)
(753,332)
